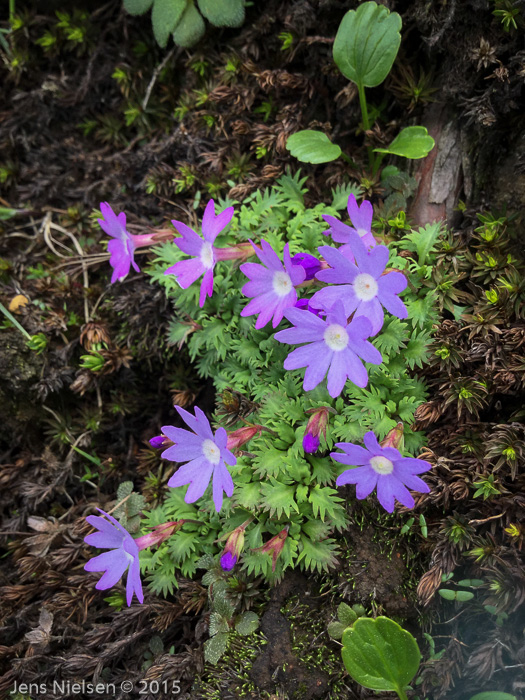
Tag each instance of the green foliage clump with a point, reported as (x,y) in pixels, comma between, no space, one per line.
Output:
(276,482)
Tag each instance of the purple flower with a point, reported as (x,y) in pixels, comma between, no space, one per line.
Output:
(383,468)
(334,346)
(362,287)
(205,454)
(124,556)
(122,247)
(272,286)
(361,217)
(187,271)
(310,263)
(305,304)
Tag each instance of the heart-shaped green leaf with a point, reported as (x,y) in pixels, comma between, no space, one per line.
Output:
(379,654)
(413,142)
(367,43)
(310,146)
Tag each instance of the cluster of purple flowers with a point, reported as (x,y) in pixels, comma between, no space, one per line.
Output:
(332,330)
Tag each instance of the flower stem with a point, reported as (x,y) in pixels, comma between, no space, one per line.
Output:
(366,120)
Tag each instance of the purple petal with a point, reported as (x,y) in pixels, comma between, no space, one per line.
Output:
(377,260)
(373,311)
(116,560)
(388,489)
(190,243)
(393,304)
(222,481)
(258,272)
(360,216)
(212,225)
(299,335)
(268,256)
(412,481)
(354,368)
(228,561)
(392,283)
(186,271)
(336,374)
(354,455)
(304,319)
(372,444)
(360,475)
(316,370)
(305,355)
(198,423)
(134,584)
(337,230)
(206,287)
(413,465)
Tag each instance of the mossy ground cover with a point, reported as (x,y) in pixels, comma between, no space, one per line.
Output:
(87,117)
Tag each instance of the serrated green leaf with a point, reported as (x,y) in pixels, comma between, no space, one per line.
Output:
(311,146)
(413,142)
(246,623)
(164,18)
(379,654)
(215,647)
(367,43)
(324,500)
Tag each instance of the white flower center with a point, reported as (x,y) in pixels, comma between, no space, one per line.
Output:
(365,287)
(207,255)
(381,465)
(211,451)
(362,232)
(336,337)
(282,284)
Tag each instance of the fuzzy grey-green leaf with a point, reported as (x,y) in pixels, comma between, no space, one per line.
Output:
(246,623)
(223,13)
(164,17)
(367,43)
(190,28)
(215,647)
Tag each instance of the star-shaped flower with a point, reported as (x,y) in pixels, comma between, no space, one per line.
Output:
(124,556)
(205,454)
(334,346)
(187,271)
(383,468)
(362,287)
(272,286)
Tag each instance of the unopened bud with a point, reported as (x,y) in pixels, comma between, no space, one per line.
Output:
(394,438)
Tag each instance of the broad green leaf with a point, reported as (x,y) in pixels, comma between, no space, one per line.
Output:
(367,43)
(493,695)
(413,142)
(190,28)
(137,7)
(447,594)
(246,623)
(218,624)
(223,13)
(311,146)
(336,629)
(164,17)
(463,596)
(379,654)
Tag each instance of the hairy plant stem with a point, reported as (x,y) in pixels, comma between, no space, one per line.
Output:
(366,120)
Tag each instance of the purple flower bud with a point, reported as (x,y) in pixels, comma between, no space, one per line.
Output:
(311,264)
(228,561)
(310,443)
(157,442)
